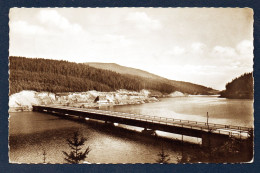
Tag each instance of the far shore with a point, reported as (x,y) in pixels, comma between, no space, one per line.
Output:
(24,100)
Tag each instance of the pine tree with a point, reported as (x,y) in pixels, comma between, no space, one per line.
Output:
(76,155)
(44,156)
(182,158)
(163,157)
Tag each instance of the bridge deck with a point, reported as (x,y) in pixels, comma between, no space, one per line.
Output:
(195,125)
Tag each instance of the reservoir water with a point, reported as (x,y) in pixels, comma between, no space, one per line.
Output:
(30,133)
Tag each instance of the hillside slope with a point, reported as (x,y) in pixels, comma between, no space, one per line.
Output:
(62,76)
(124,70)
(241,87)
(185,87)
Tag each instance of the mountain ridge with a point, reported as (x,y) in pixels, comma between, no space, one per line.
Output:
(182,86)
(41,74)
(123,69)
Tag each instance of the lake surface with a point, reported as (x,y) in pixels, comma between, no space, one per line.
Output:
(221,110)
(33,132)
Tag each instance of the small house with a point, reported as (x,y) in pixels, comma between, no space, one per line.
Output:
(101,99)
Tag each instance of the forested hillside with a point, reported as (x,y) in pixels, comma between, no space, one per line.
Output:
(184,87)
(240,88)
(62,76)
(187,87)
(124,70)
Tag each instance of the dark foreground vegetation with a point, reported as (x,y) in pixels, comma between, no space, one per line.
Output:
(240,88)
(62,76)
(233,151)
(76,155)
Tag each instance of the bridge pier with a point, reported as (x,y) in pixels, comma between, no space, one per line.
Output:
(109,123)
(213,140)
(149,131)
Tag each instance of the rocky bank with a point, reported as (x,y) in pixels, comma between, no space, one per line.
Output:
(24,100)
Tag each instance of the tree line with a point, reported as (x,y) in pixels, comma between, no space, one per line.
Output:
(241,87)
(63,76)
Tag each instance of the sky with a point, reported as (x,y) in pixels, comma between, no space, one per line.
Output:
(207,46)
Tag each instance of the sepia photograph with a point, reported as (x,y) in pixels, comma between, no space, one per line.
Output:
(131,85)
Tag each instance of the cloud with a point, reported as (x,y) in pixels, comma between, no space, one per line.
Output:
(198,47)
(176,50)
(53,20)
(224,51)
(238,59)
(22,27)
(245,47)
(120,40)
(143,22)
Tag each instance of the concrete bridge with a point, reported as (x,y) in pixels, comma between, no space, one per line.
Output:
(211,134)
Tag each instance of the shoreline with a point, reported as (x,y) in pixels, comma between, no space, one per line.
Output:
(76,105)
(24,100)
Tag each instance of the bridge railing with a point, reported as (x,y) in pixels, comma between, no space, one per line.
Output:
(235,131)
(218,128)
(174,121)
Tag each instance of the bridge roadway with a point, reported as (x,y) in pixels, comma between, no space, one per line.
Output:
(210,133)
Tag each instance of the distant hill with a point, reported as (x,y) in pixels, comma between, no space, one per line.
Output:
(61,76)
(124,70)
(185,87)
(241,87)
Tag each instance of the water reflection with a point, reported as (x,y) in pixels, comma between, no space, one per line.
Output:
(221,110)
